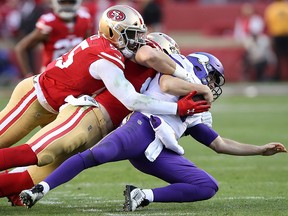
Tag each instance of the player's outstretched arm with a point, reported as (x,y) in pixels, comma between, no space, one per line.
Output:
(232,147)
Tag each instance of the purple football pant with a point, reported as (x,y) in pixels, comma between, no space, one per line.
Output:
(188,183)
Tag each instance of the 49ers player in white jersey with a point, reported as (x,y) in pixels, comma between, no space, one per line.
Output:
(77,128)
(58,32)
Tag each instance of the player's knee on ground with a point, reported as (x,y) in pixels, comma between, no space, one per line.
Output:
(208,192)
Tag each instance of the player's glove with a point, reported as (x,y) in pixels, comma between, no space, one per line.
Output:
(187,106)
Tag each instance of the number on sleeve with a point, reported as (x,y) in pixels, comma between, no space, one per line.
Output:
(64,64)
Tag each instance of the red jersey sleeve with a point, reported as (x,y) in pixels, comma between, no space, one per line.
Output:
(44,23)
(112,54)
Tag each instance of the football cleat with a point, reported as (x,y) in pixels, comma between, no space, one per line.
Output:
(134,198)
(30,197)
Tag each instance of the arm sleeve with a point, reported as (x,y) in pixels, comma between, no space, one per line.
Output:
(115,81)
(202,133)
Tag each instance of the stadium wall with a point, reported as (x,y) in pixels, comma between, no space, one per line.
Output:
(209,21)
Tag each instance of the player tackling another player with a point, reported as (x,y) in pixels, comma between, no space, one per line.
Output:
(158,153)
(154,146)
(55,140)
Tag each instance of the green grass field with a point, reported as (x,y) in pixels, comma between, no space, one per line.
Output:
(254,185)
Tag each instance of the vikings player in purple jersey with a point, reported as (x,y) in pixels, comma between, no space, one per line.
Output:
(158,153)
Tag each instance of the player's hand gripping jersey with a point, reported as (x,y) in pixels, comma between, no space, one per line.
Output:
(63,36)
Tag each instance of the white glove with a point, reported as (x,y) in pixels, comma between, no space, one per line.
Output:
(206,118)
(165,134)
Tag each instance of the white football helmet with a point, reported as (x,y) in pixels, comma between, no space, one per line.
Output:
(124,27)
(165,42)
(66,9)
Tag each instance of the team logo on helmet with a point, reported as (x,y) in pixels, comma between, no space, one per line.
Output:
(116,15)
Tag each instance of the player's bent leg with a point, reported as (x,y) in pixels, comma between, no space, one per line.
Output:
(124,142)
(22,114)
(23,178)
(13,182)
(187,182)
(38,174)
(75,128)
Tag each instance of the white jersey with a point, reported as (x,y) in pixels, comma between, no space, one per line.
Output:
(175,122)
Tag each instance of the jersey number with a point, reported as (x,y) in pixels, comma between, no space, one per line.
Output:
(64,64)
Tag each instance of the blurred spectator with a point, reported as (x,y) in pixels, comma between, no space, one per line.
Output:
(258,53)
(247,16)
(31,10)
(10,17)
(152,14)
(276,16)
(57,31)
(96,8)
(249,32)
(8,70)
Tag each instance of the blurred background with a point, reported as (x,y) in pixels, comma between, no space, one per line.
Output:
(238,32)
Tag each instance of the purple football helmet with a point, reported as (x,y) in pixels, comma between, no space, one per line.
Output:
(209,70)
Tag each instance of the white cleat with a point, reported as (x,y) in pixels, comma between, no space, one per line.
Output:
(30,197)
(134,198)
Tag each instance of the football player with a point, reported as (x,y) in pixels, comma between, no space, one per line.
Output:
(58,32)
(158,153)
(78,127)
(90,67)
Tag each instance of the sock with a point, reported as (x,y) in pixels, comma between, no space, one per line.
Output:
(17,156)
(46,187)
(149,194)
(14,183)
(69,169)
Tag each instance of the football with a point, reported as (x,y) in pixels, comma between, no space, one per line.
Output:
(198,97)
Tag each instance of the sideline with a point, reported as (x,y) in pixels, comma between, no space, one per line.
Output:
(253,89)
(249,89)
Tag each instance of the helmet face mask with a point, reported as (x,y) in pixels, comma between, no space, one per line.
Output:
(209,70)
(66,9)
(134,39)
(124,27)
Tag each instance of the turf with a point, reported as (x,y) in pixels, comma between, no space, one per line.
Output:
(254,185)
